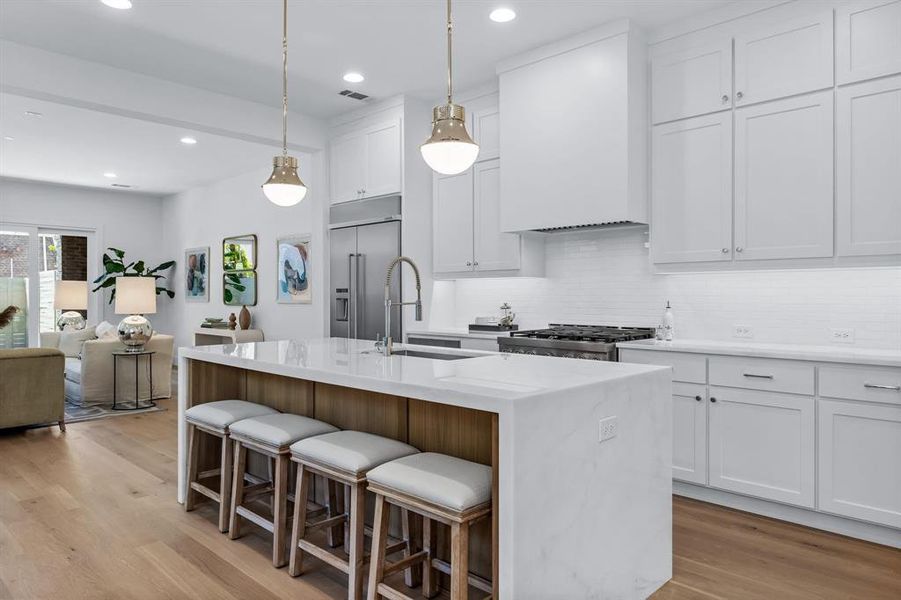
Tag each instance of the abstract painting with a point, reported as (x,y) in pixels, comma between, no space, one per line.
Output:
(294,284)
(197,276)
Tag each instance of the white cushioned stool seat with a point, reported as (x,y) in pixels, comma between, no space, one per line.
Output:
(352,451)
(450,482)
(278,430)
(222,413)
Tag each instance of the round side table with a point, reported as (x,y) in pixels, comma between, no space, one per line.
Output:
(150,402)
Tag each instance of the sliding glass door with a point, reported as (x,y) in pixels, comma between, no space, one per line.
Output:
(32,260)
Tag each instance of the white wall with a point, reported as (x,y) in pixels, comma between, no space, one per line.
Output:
(126,220)
(204,216)
(606,278)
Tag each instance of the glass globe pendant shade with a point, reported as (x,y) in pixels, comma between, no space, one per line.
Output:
(450,149)
(284,187)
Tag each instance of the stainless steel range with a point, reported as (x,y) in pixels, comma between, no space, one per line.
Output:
(593,342)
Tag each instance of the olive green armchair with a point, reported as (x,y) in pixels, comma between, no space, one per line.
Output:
(31,387)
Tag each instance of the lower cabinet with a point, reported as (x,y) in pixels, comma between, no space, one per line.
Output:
(763,444)
(690,433)
(859,472)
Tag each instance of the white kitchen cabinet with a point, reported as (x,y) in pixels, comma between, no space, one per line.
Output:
(763,444)
(486,132)
(868,161)
(691,190)
(467,236)
(784,60)
(690,433)
(859,447)
(453,222)
(573,132)
(784,178)
(692,82)
(868,40)
(366,163)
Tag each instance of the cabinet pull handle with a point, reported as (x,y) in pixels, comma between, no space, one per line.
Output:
(725,98)
(879,386)
(698,398)
(468,263)
(712,399)
(725,251)
(756,376)
(739,249)
(739,95)
(476,263)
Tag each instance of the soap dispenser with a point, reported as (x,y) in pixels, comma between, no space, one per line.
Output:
(668,323)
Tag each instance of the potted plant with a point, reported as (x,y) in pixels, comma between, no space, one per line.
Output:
(116,267)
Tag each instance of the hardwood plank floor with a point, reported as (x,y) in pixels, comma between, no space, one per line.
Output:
(92,514)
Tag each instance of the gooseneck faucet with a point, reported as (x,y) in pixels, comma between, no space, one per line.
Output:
(389,343)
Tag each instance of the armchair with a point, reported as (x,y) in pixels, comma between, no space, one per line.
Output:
(31,387)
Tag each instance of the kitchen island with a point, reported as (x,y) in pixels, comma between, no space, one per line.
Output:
(573,517)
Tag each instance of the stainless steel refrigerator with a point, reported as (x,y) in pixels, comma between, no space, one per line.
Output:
(364,237)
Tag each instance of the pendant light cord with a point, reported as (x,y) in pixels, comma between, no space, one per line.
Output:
(450,78)
(285,79)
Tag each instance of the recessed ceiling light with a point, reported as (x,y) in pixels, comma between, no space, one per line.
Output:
(8,138)
(353,77)
(110,175)
(120,4)
(32,113)
(502,15)
(187,140)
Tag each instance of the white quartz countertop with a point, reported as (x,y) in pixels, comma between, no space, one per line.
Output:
(460,333)
(488,381)
(862,356)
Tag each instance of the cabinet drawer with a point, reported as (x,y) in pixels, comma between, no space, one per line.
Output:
(876,384)
(762,374)
(690,368)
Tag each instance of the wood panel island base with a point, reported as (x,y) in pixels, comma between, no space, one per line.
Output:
(573,517)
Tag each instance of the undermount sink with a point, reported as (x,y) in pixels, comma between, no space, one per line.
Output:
(426,354)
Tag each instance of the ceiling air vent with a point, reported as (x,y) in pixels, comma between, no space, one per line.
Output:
(120,185)
(352,94)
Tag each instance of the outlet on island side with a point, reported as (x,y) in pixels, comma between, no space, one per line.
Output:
(842,336)
(609,426)
(742,331)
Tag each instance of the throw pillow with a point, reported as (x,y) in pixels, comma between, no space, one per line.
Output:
(106,331)
(70,342)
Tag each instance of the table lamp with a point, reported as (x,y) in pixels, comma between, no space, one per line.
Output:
(136,297)
(70,296)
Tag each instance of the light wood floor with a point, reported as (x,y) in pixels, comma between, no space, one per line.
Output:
(92,514)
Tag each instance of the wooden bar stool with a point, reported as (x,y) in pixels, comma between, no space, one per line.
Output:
(440,488)
(343,457)
(215,418)
(271,436)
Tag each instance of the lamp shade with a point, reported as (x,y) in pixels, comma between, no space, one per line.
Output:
(135,295)
(70,295)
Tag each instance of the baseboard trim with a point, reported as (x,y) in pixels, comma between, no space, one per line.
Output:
(870,532)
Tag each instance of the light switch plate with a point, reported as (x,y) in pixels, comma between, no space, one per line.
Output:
(842,336)
(609,426)
(742,331)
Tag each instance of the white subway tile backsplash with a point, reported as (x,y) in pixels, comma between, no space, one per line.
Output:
(606,278)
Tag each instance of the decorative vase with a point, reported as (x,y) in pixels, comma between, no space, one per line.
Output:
(232,321)
(244,318)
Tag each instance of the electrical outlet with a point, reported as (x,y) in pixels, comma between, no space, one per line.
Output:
(842,336)
(742,331)
(608,428)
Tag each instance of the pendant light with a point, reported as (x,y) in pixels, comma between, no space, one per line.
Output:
(449,150)
(284,186)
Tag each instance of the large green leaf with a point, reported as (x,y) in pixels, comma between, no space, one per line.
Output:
(162,267)
(227,295)
(139,267)
(120,254)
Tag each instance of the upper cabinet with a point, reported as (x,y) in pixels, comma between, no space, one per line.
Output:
(783,178)
(868,202)
(366,163)
(691,82)
(868,40)
(486,131)
(573,133)
(784,60)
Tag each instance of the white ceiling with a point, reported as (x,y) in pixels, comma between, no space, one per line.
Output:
(77,146)
(234,47)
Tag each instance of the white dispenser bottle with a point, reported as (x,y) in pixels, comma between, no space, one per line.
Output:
(668,323)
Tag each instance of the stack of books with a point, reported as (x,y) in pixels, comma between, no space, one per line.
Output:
(211,323)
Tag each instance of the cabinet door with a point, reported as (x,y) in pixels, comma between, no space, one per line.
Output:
(868,40)
(493,249)
(859,475)
(762,444)
(452,230)
(790,58)
(691,82)
(486,132)
(783,178)
(690,433)
(347,165)
(383,160)
(691,187)
(868,158)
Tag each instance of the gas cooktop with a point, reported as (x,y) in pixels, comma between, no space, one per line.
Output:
(596,342)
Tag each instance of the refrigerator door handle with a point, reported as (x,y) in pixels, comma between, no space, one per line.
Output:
(361,295)
(351,298)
